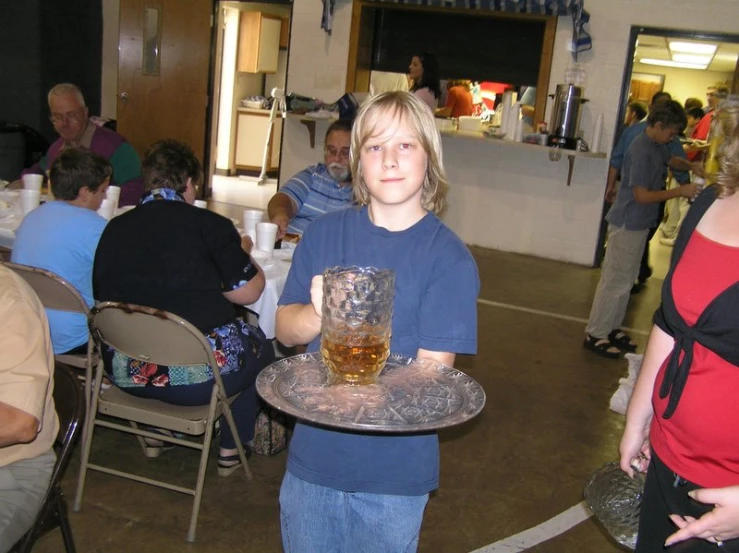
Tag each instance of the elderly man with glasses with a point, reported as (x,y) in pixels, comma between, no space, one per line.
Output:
(69,115)
(317,189)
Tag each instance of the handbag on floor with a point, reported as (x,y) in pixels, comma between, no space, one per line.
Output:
(271,432)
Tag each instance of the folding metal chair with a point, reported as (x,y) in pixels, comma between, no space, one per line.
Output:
(56,293)
(70,407)
(160,337)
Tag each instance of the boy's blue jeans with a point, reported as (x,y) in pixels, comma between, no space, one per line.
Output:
(317,519)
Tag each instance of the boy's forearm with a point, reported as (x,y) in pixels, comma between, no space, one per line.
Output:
(681,164)
(644,196)
(297,324)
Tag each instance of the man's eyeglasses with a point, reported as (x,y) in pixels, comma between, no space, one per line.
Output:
(72,117)
(330,151)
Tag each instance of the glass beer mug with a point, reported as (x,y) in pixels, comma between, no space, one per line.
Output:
(356,322)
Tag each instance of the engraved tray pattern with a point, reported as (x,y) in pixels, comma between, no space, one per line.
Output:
(411,395)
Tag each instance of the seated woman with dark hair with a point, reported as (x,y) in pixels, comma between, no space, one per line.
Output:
(424,72)
(168,254)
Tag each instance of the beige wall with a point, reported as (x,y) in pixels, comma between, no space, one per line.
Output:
(109,88)
(685,83)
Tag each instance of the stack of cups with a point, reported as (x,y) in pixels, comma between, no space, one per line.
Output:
(106,209)
(266,237)
(31,193)
(113,193)
(251,218)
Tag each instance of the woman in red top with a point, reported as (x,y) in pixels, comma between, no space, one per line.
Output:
(458,99)
(682,421)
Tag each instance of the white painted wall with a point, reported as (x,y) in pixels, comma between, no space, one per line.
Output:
(509,198)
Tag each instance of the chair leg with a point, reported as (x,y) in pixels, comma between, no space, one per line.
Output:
(88,385)
(239,446)
(87,435)
(64,526)
(201,470)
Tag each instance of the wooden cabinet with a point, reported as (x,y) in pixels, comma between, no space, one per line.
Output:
(251,135)
(259,42)
(642,91)
(285,33)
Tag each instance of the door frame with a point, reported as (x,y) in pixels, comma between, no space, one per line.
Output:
(214,87)
(637,30)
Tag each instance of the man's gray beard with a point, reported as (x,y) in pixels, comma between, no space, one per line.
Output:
(339,172)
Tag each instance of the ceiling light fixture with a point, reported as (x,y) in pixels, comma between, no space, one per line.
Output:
(691,58)
(693,48)
(669,63)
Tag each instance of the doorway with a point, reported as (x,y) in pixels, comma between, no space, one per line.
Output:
(650,68)
(250,59)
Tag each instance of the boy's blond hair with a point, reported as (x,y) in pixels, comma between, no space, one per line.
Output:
(369,123)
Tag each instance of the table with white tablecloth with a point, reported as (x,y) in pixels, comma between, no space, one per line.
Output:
(275,272)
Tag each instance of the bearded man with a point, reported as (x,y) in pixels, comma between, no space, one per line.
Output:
(317,189)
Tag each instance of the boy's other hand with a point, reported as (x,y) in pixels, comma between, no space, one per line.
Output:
(316,294)
(689,190)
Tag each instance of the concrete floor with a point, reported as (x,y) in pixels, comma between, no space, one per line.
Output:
(525,459)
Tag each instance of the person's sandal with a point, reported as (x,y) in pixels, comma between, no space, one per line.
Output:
(601,346)
(228,464)
(154,448)
(622,341)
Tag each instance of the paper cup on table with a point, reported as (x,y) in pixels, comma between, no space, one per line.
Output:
(266,236)
(201,204)
(113,193)
(251,218)
(29,200)
(106,209)
(33,182)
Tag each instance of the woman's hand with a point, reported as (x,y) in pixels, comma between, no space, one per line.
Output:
(634,450)
(246,244)
(720,524)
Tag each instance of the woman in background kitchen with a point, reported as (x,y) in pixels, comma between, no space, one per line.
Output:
(424,72)
(458,99)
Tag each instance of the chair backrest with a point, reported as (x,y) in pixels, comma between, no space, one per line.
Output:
(53,291)
(149,334)
(69,401)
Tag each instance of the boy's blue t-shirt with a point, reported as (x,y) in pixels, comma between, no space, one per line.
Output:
(436,290)
(62,238)
(643,167)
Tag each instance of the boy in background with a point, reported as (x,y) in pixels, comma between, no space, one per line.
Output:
(635,211)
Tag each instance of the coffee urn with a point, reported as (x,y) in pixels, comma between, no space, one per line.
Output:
(568,101)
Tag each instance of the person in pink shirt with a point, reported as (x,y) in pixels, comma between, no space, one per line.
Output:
(424,72)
